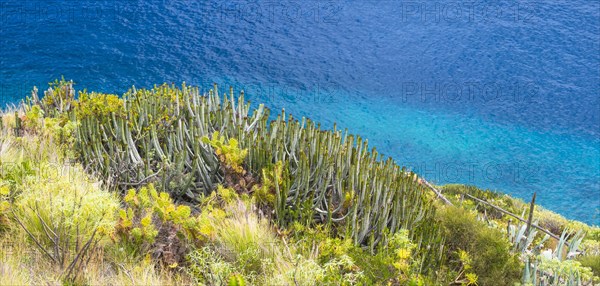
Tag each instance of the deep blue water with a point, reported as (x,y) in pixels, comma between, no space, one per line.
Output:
(500,94)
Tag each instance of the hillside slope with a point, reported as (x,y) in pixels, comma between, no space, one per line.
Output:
(168,186)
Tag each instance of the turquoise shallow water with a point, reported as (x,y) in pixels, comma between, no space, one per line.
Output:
(500,94)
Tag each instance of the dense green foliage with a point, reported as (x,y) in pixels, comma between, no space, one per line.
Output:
(546,261)
(591,261)
(333,178)
(151,224)
(488,248)
(66,219)
(210,192)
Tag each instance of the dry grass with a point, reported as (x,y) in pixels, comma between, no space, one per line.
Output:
(22,264)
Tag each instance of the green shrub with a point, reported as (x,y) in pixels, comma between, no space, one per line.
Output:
(591,261)
(457,194)
(16,163)
(62,131)
(66,217)
(335,264)
(465,276)
(229,153)
(548,220)
(4,207)
(151,223)
(340,261)
(59,129)
(231,158)
(98,105)
(34,118)
(488,248)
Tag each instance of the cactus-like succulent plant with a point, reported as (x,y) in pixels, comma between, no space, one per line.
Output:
(155,135)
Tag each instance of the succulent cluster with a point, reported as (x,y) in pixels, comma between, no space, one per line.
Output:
(331,177)
(213,191)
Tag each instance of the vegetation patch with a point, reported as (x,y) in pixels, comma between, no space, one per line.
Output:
(167,186)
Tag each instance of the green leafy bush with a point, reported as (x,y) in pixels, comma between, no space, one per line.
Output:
(34,118)
(231,158)
(229,153)
(99,105)
(591,261)
(4,207)
(546,219)
(66,217)
(151,223)
(59,129)
(16,163)
(464,276)
(342,262)
(591,251)
(488,248)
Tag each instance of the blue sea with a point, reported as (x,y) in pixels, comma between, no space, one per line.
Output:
(503,95)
